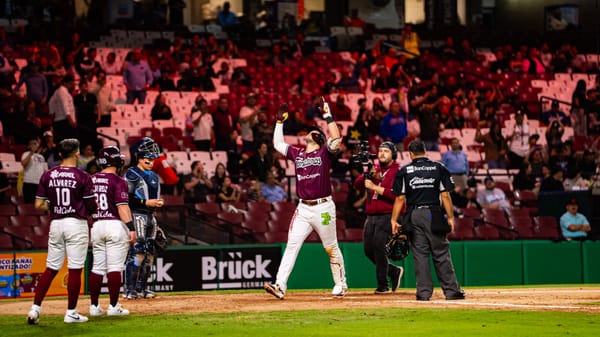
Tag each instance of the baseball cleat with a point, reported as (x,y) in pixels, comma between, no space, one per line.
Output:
(117,310)
(33,317)
(339,291)
(274,290)
(397,277)
(148,294)
(131,295)
(72,316)
(458,296)
(96,310)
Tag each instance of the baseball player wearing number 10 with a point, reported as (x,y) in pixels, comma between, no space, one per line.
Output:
(316,209)
(66,192)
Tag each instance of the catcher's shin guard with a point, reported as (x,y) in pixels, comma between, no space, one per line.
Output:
(131,276)
(142,281)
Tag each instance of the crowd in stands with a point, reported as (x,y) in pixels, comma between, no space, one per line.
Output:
(380,93)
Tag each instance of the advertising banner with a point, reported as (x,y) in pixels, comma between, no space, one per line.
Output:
(221,268)
(19,278)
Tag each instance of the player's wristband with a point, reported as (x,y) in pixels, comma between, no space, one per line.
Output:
(130,226)
(143,202)
(328,119)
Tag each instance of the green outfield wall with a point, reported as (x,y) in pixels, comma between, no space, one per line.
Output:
(477,263)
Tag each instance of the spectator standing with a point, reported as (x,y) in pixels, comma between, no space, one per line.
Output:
(86,109)
(37,86)
(34,165)
(248,118)
(202,120)
(137,78)
(106,101)
(518,141)
(393,126)
(110,65)
(574,225)
(579,102)
(495,146)
(457,163)
(341,110)
(223,124)
(259,163)
(555,113)
(62,110)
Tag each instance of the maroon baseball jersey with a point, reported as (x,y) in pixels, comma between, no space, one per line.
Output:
(111,191)
(312,172)
(65,188)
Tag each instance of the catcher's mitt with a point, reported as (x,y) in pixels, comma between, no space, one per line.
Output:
(160,242)
(397,248)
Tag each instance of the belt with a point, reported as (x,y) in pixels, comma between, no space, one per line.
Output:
(459,174)
(426,206)
(314,202)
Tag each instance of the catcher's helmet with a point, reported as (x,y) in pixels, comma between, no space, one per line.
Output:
(110,156)
(397,246)
(145,148)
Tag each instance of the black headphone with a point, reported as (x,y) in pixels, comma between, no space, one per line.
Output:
(392,148)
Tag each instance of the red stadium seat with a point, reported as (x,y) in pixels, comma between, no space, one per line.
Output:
(463,229)
(546,227)
(470,212)
(486,232)
(353,235)
(259,206)
(276,237)
(284,206)
(8,210)
(6,242)
(29,209)
(24,220)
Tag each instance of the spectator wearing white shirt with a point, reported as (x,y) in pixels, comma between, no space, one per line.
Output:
(492,197)
(204,135)
(110,66)
(34,165)
(518,141)
(62,110)
(106,101)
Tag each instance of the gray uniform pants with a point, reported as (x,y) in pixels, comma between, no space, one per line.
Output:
(425,243)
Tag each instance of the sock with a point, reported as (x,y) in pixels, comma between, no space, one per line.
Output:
(43,285)
(94,285)
(73,288)
(114,286)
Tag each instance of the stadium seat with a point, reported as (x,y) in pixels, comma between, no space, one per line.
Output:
(29,209)
(24,220)
(463,229)
(208,208)
(486,232)
(353,234)
(523,225)
(284,206)
(278,224)
(276,237)
(546,227)
(470,213)
(6,242)
(239,205)
(258,206)
(8,210)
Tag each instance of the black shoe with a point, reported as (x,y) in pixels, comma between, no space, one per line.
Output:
(397,277)
(457,296)
(382,291)
(422,298)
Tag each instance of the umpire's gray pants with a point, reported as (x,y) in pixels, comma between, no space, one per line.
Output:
(425,243)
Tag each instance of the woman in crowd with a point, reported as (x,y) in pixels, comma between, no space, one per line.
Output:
(160,110)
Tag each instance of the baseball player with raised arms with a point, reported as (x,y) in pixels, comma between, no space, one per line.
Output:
(316,209)
(144,198)
(66,192)
(112,232)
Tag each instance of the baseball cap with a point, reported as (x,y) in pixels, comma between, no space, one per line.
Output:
(573,201)
(554,103)
(488,178)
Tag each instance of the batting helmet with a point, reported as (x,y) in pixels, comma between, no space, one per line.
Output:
(145,148)
(392,148)
(397,246)
(110,156)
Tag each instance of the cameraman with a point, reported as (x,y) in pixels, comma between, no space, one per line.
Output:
(379,181)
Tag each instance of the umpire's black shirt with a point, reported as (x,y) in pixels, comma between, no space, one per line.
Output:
(421,182)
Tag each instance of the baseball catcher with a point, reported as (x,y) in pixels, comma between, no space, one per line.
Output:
(144,198)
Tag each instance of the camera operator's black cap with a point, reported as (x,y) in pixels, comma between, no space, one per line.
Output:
(392,148)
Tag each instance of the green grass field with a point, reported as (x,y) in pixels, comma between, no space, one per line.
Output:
(332,323)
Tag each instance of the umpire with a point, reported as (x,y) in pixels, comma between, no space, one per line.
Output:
(380,201)
(420,184)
